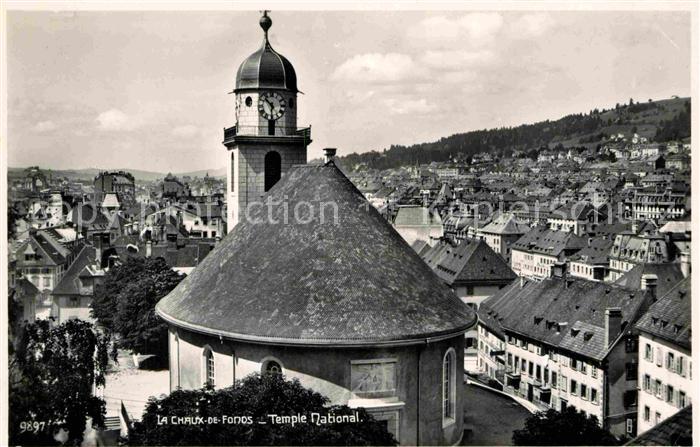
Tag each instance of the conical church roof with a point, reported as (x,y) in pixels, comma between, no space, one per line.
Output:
(316,279)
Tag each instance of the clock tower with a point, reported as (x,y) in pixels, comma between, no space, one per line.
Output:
(265,141)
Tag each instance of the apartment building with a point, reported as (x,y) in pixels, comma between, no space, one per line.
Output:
(630,249)
(534,254)
(502,232)
(568,342)
(577,217)
(592,261)
(665,366)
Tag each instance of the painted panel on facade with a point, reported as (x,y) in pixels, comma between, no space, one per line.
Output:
(373,378)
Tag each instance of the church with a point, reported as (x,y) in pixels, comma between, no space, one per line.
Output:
(313,283)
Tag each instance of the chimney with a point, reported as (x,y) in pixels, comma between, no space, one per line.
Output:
(217,239)
(329,154)
(685,263)
(613,324)
(149,248)
(649,282)
(635,227)
(522,282)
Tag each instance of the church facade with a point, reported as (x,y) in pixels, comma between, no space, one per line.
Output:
(328,292)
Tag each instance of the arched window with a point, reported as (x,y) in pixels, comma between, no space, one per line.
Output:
(449,370)
(248,101)
(273,169)
(176,354)
(271,367)
(209,372)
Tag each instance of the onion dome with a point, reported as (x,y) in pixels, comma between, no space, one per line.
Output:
(266,68)
(318,277)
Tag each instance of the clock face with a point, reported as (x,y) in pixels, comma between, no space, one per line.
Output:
(271,105)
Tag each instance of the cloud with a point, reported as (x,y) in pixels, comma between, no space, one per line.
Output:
(44,126)
(377,68)
(532,25)
(186,131)
(116,120)
(457,59)
(472,28)
(404,107)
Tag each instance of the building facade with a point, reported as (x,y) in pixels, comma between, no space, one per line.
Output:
(568,342)
(665,357)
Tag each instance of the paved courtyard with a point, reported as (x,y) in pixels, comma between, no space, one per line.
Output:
(133,386)
(491,417)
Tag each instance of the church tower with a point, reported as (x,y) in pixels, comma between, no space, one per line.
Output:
(265,141)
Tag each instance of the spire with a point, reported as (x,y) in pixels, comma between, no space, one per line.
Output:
(265,24)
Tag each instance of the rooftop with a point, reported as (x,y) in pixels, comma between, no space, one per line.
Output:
(359,284)
(669,316)
(567,313)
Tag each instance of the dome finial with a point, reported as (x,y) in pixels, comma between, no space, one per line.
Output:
(265,22)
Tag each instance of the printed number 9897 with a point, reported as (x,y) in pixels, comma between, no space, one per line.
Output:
(34,426)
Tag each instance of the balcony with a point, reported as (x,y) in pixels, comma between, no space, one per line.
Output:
(267,131)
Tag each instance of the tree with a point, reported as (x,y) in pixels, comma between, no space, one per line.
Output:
(253,399)
(52,373)
(12,216)
(569,427)
(125,304)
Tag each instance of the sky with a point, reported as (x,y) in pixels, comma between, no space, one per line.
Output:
(149,89)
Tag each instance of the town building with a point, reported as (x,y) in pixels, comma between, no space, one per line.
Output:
(577,217)
(119,183)
(665,357)
(659,204)
(630,249)
(73,295)
(534,254)
(502,232)
(173,188)
(42,259)
(592,261)
(568,342)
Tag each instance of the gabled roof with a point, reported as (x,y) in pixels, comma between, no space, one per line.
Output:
(668,275)
(566,313)
(595,253)
(669,316)
(70,283)
(52,253)
(676,430)
(350,280)
(573,211)
(550,242)
(470,262)
(24,287)
(506,223)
